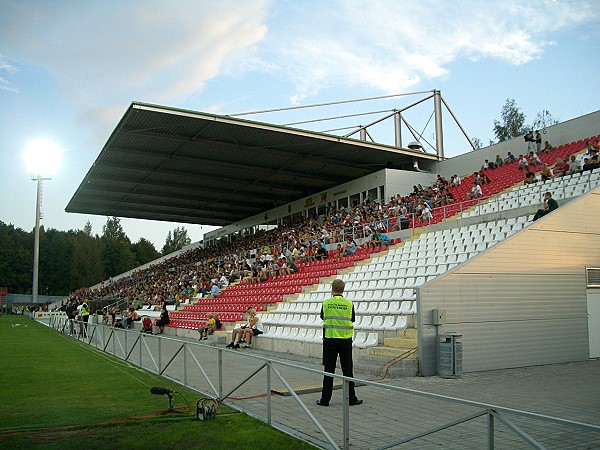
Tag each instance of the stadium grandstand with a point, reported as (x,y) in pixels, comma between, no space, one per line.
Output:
(431,258)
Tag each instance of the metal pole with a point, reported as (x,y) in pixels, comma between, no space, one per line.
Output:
(439,131)
(398,129)
(490,430)
(36,241)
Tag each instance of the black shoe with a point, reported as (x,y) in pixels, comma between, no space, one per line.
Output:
(236,346)
(242,341)
(322,403)
(230,345)
(355,402)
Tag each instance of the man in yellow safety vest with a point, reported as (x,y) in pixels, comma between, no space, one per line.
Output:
(337,314)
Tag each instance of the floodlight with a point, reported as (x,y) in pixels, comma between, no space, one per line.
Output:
(42,157)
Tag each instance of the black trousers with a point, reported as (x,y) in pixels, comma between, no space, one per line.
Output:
(540,213)
(331,349)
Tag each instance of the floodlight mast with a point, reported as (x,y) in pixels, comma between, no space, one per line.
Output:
(41,157)
(36,238)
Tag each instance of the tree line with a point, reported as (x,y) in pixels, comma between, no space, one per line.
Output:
(73,259)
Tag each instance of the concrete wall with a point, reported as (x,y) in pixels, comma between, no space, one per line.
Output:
(522,302)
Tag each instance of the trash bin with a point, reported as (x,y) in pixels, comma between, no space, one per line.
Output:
(450,355)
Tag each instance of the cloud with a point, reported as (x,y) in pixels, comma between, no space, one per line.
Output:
(393,45)
(6,66)
(104,54)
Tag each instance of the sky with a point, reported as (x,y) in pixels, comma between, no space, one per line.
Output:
(69,69)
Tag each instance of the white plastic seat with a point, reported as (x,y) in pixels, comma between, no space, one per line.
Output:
(377,295)
(318,336)
(394,307)
(409,294)
(400,324)
(293,334)
(358,322)
(377,323)
(389,322)
(405,307)
(373,306)
(366,323)
(362,308)
(382,307)
(302,332)
(359,340)
(372,340)
(310,335)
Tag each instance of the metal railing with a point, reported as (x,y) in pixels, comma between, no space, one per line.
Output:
(392,416)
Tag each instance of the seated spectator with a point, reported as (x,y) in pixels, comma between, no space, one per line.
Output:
(530,178)
(288,266)
(273,270)
(212,324)
(509,159)
(215,291)
(475,191)
(594,162)
(379,240)
(163,319)
(574,166)
(589,148)
(482,178)
(499,161)
(455,181)
(487,165)
(546,173)
(561,168)
(534,159)
(549,205)
(351,247)
(339,251)
(245,333)
(522,163)
(547,147)
(426,214)
(223,281)
(586,165)
(321,253)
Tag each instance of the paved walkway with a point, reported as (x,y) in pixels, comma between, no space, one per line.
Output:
(568,391)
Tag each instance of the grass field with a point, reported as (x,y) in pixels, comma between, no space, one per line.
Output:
(58,393)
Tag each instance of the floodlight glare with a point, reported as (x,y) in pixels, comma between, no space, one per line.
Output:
(42,157)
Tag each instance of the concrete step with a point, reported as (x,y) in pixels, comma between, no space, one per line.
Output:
(378,367)
(409,333)
(400,342)
(391,352)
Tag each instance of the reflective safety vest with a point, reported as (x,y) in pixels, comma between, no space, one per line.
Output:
(85,310)
(337,318)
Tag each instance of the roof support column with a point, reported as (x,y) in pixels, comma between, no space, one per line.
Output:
(363,133)
(398,129)
(439,132)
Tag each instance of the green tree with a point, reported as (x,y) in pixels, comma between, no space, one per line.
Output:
(56,248)
(86,264)
(144,251)
(543,119)
(176,241)
(16,259)
(512,123)
(113,229)
(477,143)
(116,248)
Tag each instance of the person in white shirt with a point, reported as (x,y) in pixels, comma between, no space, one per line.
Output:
(475,191)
